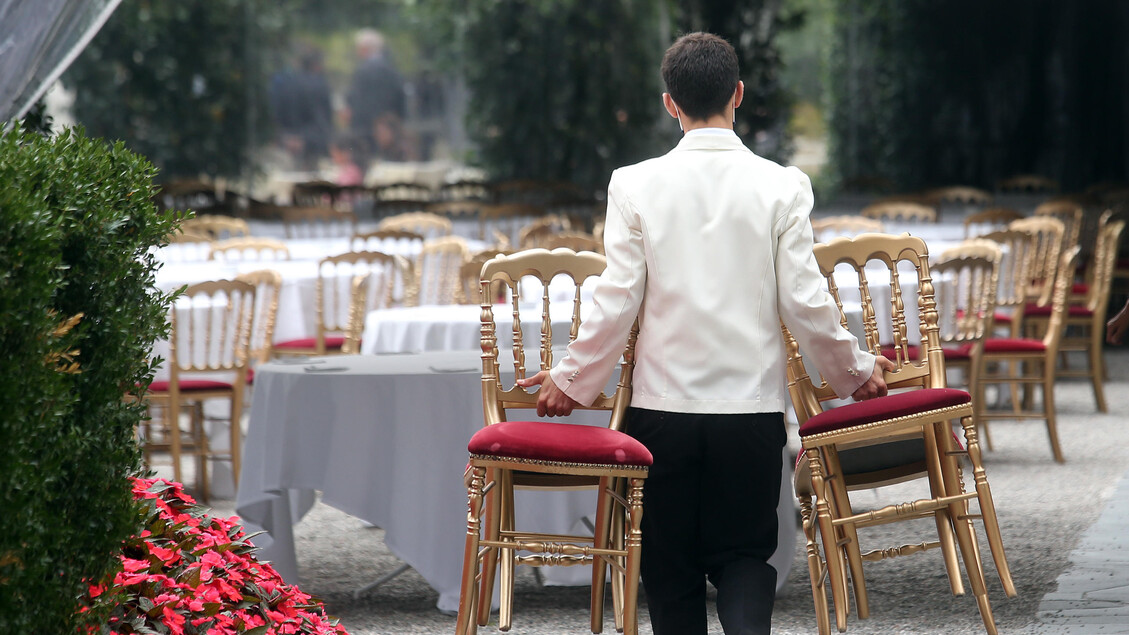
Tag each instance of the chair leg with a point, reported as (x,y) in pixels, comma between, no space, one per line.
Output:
(490,558)
(466,622)
(987,507)
(505,561)
(634,549)
(816,567)
(978,396)
(601,534)
(1097,368)
(833,554)
(1049,411)
(848,536)
(236,434)
(937,470)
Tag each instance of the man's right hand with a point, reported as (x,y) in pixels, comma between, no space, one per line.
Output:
(875,386)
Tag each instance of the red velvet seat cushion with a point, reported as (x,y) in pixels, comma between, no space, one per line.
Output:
(1080,288)
(250,376)
(558,442)
(1002,317)
(1013,345)
(331,343)
(883,408)
(1034,310)
(188,385)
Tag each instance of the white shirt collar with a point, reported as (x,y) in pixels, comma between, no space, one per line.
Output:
(724,132)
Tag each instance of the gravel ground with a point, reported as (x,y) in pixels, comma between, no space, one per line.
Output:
(1042,507)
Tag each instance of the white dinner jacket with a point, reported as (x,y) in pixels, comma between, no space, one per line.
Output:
(710,245)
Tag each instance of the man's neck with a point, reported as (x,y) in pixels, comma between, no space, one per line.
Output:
(721,120)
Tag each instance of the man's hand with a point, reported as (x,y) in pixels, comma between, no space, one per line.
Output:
(1115,328)
(551,401)
(876,385)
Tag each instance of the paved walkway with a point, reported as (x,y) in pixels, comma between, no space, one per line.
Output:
(1093,592)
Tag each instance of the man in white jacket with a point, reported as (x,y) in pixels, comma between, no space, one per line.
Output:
(710,246)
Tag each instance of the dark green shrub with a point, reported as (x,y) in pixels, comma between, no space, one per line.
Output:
(76,224)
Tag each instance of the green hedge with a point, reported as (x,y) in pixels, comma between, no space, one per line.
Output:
(76,225)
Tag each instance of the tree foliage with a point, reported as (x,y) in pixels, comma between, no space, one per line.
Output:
(927,93)
(560,89)
(180,82)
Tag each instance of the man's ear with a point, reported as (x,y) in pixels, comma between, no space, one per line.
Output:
(670,106)
(738,94)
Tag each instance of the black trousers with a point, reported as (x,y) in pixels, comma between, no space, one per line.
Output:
(709,512)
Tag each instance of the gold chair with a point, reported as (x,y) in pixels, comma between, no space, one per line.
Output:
(960,194)
(316,193)
(903,436)
(191,246)
(425,224)
(268,288)
(219,227)
(210,330)
(846,225)
(900,211)
(318,222)
(576,241)
(334,294)
(244,249)
(1027,184)
(436,272)
(989,220)
(1085,321)
(381,239)
(966,282)
(1047,233)
(1015,274)
(534,234)
(506,219)
(463,190)
(508,453)
(1070,213)
(358,309)
(1029,362)
(470,277)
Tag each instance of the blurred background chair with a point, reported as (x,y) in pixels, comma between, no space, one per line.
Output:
(218,227)
(436,272)
(845,225)
(900,211)
(318,222)
(989,220)
(210,330)
(1028,362)
(249,249)
(334,295)
(426,224)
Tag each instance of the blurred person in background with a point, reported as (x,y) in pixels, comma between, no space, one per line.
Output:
(376,100)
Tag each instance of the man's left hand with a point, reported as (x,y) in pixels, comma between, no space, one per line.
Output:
(551,401)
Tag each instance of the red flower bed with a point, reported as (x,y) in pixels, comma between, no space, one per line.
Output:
(189,573)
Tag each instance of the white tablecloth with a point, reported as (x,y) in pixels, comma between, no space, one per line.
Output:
(384,439)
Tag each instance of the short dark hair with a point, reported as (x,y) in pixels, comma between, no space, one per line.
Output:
(700,72)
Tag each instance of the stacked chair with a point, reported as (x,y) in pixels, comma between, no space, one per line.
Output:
(900,437)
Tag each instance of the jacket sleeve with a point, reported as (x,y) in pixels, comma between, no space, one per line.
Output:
(806,306)
(616,297)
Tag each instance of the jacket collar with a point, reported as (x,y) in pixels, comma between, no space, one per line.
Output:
(715,139)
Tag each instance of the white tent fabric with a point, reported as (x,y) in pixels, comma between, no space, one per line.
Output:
(38,41)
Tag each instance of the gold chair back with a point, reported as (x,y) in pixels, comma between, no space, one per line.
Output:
(965,284)
(268,288)
(576,241)
(960,194)
(248,248)
(989,220)
(318,222)
(334,294)
(396,240)
(218,227)
(1072,215)
(1048,235)
(437,270)
(1027,184)
(425,224)
(507,219)
(357,311)
(901,211)
(470,276)
(1015,272)
(535,234)
(846,225)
